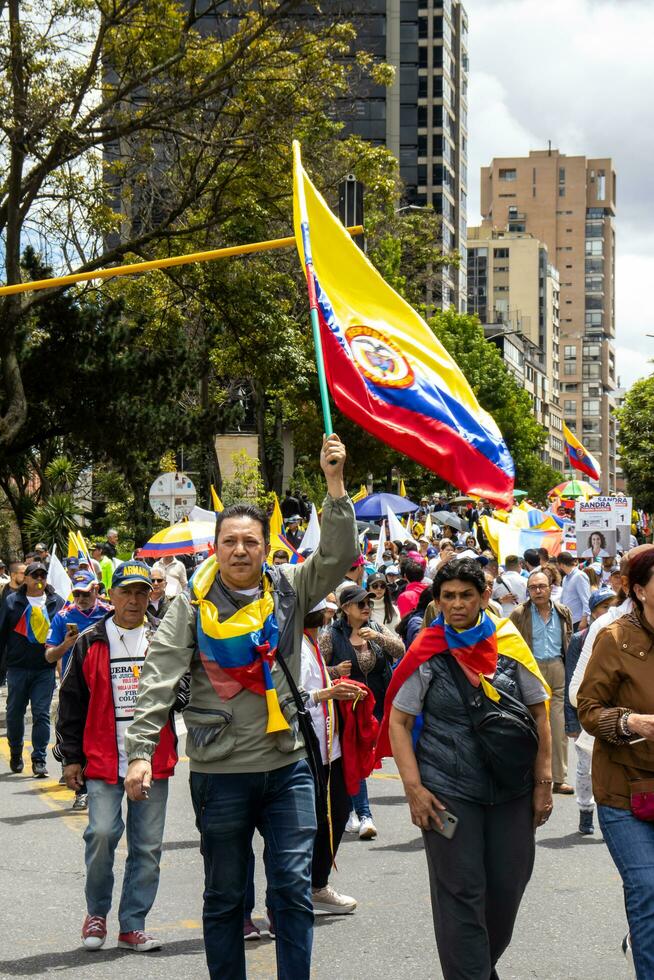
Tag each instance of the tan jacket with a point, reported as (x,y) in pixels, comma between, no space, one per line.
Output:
(619,677)
(521,618)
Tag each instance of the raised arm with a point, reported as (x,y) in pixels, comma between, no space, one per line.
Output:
(338,548)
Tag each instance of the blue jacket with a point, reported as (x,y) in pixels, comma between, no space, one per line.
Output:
(17,650)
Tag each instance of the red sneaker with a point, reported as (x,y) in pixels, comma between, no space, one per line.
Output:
(94,931)
(138,941)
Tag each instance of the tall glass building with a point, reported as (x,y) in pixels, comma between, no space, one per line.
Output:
(422,117)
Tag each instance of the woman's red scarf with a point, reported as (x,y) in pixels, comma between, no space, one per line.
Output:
(475,648)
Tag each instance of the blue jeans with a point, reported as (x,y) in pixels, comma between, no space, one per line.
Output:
(631,845)
(34,687)
(145,828)
(281,806)
(360,803)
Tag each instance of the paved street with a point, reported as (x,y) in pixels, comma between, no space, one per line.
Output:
(570,925)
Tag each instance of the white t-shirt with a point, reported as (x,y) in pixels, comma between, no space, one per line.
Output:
(512,582)
(311,679)
(37,600)
(127,650)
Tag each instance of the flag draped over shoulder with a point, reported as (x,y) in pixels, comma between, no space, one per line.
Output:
(579,457)
(385,368)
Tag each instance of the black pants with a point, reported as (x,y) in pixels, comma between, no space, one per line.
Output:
(477,880)
(340,807)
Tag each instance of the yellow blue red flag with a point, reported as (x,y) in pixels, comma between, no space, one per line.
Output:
(385,368)
(579,457)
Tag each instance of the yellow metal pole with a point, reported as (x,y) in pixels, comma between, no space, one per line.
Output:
(174,260)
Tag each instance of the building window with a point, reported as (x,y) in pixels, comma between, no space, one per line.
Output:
(569,353)
(569,407)
(570,367)
(591,407)
(508,173)
(422,86)
(592,371)
(594,246)
(501,253)
(517,226)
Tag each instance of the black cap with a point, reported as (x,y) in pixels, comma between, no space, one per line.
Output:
(35,566)
(353,593)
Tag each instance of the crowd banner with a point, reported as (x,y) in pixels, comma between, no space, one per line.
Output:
(595,523)
(623,520)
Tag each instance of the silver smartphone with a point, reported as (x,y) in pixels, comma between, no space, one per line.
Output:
(449,822)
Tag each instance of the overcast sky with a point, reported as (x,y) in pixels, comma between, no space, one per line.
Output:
(581,73)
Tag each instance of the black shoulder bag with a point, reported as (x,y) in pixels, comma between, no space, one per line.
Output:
(311,743)
(506,732)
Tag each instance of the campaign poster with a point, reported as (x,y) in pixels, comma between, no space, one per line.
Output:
(595,525)
(623,509)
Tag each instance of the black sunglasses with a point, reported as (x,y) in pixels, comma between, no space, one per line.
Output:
(80,595)
(363,604)
(158,580)
(378,585)
(38,575)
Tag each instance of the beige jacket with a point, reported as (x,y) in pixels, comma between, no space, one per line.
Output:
(521,618)
(619,677)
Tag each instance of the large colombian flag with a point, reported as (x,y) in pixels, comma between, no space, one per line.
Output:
(385,368)
(579,457)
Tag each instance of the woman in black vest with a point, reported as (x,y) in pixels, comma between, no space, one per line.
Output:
(478,875)
(369,650)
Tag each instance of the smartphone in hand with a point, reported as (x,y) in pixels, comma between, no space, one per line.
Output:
(449,822)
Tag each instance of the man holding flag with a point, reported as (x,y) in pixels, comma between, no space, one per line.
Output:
(240,633)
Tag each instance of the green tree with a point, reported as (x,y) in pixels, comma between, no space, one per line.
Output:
(134,130)
(636,441)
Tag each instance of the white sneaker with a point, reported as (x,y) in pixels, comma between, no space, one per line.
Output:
(327,899)
(353,824)
(367,830)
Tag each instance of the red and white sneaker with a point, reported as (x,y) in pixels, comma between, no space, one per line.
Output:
(94,931)
(137,940)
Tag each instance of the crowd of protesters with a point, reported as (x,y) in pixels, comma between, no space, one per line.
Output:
(361,652)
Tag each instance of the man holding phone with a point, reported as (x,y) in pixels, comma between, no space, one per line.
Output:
(84,611)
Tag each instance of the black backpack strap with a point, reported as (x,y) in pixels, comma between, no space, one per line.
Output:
(311,744)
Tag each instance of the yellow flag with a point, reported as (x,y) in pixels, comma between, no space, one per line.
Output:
(402,489)
(276,519)
(216,502)
(361,494)
(73,546)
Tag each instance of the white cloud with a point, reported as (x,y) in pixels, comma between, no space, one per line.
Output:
(578,73)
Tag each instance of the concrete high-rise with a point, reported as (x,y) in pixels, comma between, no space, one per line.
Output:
(422,117)
(569,204)
(514,290)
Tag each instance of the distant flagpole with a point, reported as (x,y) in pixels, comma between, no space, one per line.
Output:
(311,288)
